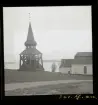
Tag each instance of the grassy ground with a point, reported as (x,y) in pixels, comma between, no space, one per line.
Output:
(12,76)
(70,88)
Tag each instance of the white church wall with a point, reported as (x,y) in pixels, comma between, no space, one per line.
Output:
(64,70)
(89,69)
(79,69)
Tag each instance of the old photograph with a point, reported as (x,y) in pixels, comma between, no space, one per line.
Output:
(47,50)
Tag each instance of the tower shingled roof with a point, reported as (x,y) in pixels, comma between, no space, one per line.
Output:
(30,38)
(30,51)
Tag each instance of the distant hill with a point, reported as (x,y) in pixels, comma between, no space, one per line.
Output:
(51,60)
(9,62)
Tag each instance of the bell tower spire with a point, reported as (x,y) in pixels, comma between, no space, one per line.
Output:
(29,18)
(31,58)
(30,42)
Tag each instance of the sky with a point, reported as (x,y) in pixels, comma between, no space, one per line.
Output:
(60,32)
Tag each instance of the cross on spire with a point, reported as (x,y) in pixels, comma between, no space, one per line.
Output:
(30,38)
(29,17)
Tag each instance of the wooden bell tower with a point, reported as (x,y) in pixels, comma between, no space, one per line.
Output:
(31,58)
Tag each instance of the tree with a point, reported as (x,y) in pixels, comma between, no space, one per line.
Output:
(53,67)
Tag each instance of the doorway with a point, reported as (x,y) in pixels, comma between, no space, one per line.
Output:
(85,69)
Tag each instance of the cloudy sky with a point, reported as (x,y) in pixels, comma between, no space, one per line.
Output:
(60,32)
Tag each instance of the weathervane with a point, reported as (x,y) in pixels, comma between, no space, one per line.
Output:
(29,17)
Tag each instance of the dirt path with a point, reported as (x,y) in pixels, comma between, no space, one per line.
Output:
(14,86)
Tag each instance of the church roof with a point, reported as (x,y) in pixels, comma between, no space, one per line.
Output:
(82,61)
(84,54)
(30,38)
(31,51)
(66,63)
(69,62)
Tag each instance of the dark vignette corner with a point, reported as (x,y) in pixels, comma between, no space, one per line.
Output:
(1,53)
(94,46)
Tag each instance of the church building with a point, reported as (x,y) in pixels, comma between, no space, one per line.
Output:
(81,64)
